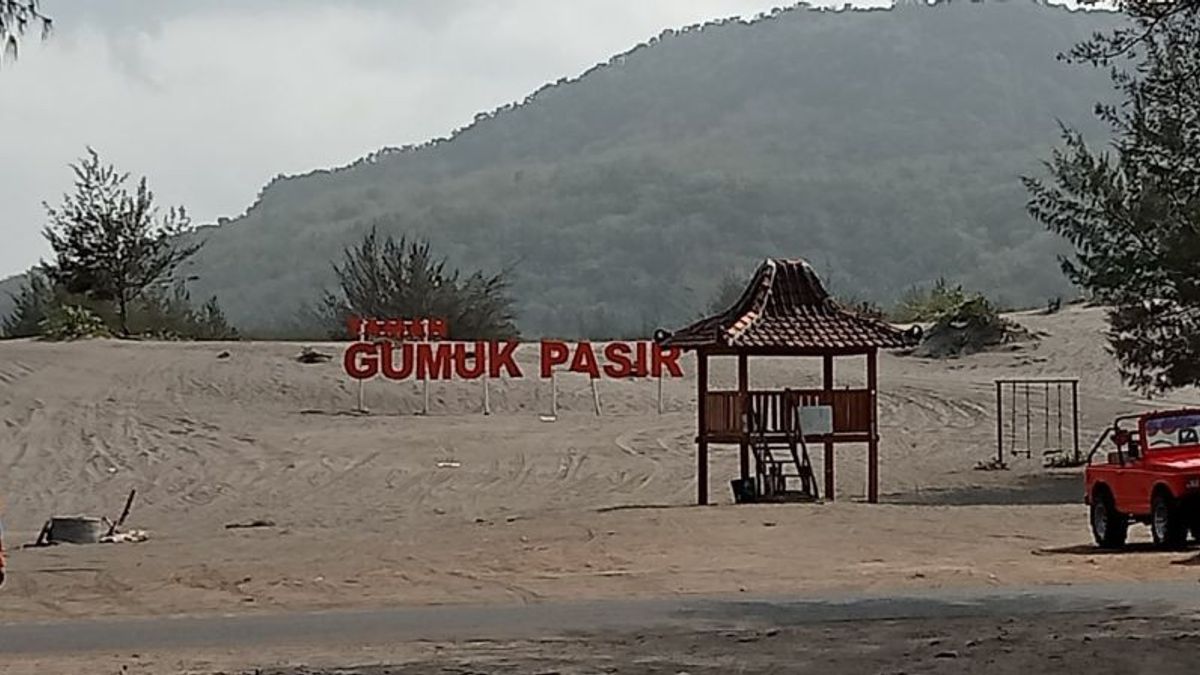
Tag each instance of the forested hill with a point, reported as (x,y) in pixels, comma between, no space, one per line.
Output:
(883,146)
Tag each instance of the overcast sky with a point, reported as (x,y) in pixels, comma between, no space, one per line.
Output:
(211,98)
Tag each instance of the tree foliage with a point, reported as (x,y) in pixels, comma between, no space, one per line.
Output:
(383,278)
(169,313)
(973,325)
(31,305)
(110,243)
(160,312)
(72,322)
(16,17)
(115,259)
(1132,213)
(931,304)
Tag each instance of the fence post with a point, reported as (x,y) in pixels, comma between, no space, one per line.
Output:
(1046,416)
(1012,414)
(1028,426)
(999,424)
(1075,417)
(1058,396)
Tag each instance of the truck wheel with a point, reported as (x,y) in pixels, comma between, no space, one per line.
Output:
(1167,523)
(1109,526)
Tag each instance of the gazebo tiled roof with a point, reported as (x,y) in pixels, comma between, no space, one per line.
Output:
(785,307)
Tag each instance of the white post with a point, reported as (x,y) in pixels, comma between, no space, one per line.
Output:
(596,396)
(487,397)
(362,396)
(425,407)
(660,394)
(553,394)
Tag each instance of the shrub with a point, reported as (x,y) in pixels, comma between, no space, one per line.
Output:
(72,322)
(156,314)
(931,304)
(164,314)
(974,325)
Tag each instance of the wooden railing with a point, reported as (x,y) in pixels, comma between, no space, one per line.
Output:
(852,410)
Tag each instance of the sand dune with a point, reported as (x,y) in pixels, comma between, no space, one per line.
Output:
(396,507)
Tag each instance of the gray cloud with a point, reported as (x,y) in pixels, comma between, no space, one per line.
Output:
(211,99)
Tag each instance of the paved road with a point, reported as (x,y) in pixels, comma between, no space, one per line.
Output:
(542,620)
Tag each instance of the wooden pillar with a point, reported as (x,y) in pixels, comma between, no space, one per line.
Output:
(701,416)
(873,443)
(828,385)
(744,406)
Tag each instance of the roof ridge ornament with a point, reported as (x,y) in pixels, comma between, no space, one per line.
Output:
(758,304)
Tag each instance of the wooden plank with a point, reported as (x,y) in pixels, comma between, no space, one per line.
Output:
(852,409)
(702,444)
(827,381)
(743,388)
(736,437)
(873,443)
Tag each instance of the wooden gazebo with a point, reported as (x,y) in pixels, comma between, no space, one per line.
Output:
(785,311)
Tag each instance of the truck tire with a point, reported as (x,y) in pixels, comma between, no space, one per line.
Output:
(1167,522)
(1109,526)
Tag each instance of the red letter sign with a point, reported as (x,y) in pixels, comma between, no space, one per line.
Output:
(360,361)
(554,353)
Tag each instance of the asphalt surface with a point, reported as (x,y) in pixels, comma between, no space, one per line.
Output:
(457,623)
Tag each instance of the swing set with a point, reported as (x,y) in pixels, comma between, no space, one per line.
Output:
(1041,414)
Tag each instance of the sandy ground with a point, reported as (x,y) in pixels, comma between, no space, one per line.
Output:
(1112,628)
(1097,643)
(397,508)
(1072,644)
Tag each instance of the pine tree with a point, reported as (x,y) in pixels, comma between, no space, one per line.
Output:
(16,16)
(211,323)
(110,243)
(385,278)
(1133,214)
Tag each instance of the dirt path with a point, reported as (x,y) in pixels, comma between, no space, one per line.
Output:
(1051,629)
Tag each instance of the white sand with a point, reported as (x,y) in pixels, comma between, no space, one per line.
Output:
(366,516)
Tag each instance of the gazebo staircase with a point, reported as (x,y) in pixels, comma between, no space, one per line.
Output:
(773,471)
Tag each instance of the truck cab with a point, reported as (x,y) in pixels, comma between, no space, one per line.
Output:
(1151,476)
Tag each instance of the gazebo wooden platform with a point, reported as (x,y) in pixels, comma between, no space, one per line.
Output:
(785,311)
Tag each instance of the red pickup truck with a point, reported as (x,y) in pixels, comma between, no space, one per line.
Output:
(1152,477)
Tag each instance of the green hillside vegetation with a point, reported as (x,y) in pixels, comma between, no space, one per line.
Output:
(883,146)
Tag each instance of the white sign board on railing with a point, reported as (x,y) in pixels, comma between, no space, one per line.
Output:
(816,420)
